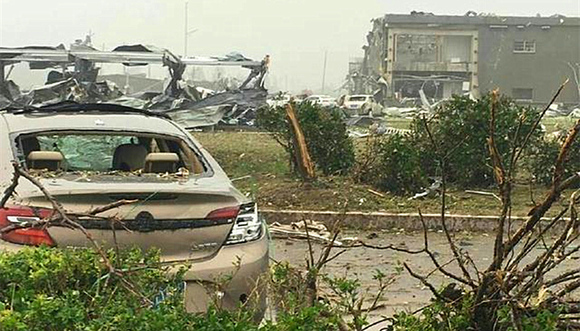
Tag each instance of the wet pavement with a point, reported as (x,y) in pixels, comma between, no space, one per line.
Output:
(406,293)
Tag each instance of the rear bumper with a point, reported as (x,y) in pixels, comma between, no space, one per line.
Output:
(236,276)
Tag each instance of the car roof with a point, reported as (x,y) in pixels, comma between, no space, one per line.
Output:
(319,96)
(92,117)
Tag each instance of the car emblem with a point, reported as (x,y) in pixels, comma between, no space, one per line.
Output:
(203,246)
(144,216)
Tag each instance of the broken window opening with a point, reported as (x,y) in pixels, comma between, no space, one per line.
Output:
(523,94)
(107,153)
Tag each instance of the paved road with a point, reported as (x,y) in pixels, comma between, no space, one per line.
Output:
(406,293)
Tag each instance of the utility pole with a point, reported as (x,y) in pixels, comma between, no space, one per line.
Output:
(324,70)
(2,74)
(185,31)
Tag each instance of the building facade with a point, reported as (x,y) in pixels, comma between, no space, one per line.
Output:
(525,57)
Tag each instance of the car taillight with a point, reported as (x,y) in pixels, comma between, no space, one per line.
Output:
(247,226)
(23,216)
(228,213)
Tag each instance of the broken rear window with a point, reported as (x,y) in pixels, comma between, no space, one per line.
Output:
(108,152)
(358,98)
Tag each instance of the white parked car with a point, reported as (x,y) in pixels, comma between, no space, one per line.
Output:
(279,100)
(323,100)
(355,102)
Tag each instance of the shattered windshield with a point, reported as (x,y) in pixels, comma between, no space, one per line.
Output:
(107,153)
(85,152)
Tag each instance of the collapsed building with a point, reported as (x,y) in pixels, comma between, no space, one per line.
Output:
(439,56)
(73,73)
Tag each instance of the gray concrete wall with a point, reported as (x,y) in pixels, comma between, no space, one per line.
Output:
(497,64)
(543,71)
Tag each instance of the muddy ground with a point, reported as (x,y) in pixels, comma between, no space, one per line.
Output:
(406,293)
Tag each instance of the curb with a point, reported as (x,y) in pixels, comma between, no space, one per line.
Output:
(392,221)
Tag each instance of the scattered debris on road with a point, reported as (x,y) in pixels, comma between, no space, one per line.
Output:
(316,231)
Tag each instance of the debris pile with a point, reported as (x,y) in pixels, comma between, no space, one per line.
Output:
(316,231)
(191,106)
(364,126)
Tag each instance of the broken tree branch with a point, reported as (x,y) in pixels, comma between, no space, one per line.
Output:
(424,281)
(63,217)
(10,189)
(537,122)
(116,204)
(503,181)
(442,162)
(302,156)
(558,185)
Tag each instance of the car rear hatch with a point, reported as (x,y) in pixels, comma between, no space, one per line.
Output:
(190,223)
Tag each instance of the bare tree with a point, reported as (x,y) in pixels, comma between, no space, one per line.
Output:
(517,277)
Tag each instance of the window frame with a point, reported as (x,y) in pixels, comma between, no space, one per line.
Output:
(527,46)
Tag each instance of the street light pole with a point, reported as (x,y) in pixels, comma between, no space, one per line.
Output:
(185,31)
(2,74)
(324,71)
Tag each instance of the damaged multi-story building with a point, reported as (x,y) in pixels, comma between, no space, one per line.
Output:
(525,57)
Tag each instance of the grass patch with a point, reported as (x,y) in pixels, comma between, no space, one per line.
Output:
(558,123)
(272,186)
(399,122)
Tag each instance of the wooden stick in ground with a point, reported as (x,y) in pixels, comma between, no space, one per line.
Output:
(302,156)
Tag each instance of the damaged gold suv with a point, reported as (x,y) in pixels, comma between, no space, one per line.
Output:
(89,155)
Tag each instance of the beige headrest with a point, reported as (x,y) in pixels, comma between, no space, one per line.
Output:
(45,156)
(162,157)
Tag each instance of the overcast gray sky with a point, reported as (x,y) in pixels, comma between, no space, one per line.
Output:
(296,33)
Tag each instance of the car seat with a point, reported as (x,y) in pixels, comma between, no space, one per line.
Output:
(161,162)
(50,160)
(129,157)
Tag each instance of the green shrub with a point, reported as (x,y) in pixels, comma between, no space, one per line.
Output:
(324,130)
(541,320)
(289,297)
(459,316)
(540,163)
(541,159)
(71,289)
(49,289)
(460,128)
(391,163)
(437,316)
